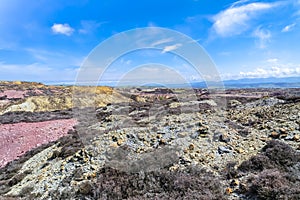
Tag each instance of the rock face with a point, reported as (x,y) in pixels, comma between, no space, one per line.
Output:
(148,143)
(29,98)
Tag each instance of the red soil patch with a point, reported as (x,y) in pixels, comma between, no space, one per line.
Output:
(17,139)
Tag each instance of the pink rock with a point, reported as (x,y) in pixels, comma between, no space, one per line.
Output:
(38,92)
(13,94)
(17,139)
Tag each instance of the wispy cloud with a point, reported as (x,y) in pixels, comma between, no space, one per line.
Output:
(162,41)
(288,28)
(263,36)
(43,55)
(35,72)
(55,58)
(89,26)
(237,18)
(171,48)
(64,29)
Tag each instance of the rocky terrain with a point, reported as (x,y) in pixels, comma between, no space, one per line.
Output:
(63,142)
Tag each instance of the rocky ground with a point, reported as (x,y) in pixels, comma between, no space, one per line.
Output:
(148,143)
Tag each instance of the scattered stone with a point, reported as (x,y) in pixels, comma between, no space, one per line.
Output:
(202,135)
(228,190)
(216,137)
(234,103)
(282,131)
(275,134)
(224,138)
(209,102)
(296,137)
(182,134)
(234,183)
(85,187)
(240,150)
(162,141)
(203,129)
(195,135)
(222,149)
(191,147)
(120,142)
(264,139)
(283,135)
(114,144)
(289,137)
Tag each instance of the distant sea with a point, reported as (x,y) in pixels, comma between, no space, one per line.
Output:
(288,82)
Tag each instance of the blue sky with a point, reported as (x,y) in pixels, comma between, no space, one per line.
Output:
(47,40)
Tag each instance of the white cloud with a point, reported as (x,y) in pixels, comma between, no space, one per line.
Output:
(236,19)
(273,68)
(171,48)
(263,36)
(288,28)
(64,29)
(276,71)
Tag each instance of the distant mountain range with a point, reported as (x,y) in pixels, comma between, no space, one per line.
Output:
(272,82)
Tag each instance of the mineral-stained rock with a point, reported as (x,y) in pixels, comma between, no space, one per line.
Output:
(228,190)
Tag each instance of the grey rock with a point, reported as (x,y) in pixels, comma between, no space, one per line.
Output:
(222,149)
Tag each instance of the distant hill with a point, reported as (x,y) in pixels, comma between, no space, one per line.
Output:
(272,82)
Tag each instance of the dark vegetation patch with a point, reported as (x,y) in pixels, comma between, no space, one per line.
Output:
(69,144)
(272,174)
(272,184)
(193,183)
(21,116)
(3,97)
(190,184)
(18,178)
